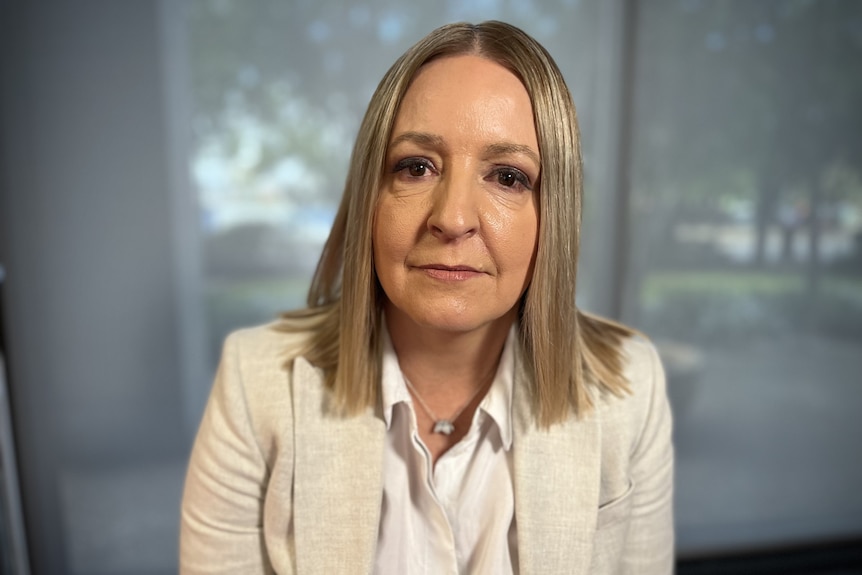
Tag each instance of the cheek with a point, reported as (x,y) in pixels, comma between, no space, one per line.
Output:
(519,240)
(528,250)
(390,237)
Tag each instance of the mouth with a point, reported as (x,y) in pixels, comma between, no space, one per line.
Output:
(443,267)
(449,273)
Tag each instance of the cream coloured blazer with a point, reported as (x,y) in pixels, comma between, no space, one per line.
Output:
(278,484)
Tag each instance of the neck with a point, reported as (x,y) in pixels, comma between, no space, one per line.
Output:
(447,364)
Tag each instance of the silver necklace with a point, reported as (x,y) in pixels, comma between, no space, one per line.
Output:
(444,426)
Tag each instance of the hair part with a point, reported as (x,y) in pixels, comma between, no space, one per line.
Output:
(567,351)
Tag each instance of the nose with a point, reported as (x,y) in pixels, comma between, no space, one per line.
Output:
(454,213)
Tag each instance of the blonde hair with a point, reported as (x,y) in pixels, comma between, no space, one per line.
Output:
(565,350)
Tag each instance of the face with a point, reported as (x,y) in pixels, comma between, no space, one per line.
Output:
(456,224)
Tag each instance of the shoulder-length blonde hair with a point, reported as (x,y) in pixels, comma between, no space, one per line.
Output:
(565,350)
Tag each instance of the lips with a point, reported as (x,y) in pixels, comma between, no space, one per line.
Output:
(449,273)
(448,268)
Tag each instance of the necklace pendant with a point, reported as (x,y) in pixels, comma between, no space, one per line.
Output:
(444,426)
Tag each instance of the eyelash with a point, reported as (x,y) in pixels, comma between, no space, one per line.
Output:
(408,163)
(521,179)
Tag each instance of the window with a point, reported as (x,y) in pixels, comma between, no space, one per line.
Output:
(745,262)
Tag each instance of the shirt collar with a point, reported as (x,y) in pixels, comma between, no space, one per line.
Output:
(497,403)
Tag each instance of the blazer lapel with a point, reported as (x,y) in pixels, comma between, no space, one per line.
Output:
(557,480)
(338,478)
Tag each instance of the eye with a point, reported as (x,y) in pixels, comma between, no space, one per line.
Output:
(507,178)
(512,178)
(414,167)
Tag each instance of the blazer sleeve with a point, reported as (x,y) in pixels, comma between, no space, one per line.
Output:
(222,509)
(650,542)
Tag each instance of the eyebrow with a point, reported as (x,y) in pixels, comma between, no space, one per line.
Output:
(422,138)
(506,148)
(499,149)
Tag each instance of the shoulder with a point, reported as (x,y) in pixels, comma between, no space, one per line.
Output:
(642,369)
(640,356)
(256,370)
(266,350)
(261,345)
(633,414)
(262,357)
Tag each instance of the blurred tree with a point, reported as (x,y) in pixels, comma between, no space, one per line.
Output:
(749,102)
(766,87)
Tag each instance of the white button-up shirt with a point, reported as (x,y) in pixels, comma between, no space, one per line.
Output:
(457,516)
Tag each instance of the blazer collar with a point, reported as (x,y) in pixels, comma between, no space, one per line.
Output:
(557,475)
(337,482)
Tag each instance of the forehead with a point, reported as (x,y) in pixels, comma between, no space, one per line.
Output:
(467,94)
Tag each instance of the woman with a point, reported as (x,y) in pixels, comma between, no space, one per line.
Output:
(442,406)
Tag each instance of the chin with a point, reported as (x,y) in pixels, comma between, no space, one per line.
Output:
(458,319)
